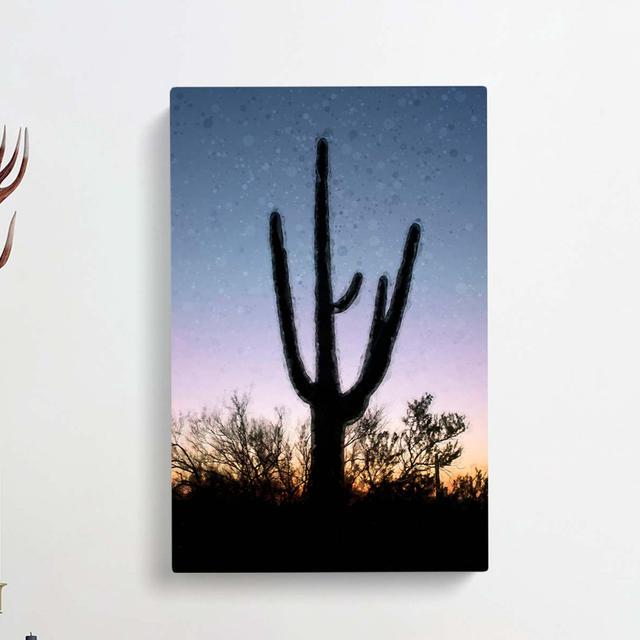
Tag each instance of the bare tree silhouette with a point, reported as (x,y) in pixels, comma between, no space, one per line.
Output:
(331,408)
(429,440)
(230,453)
(408,461)
(471,487)
(239,454)
(371,452)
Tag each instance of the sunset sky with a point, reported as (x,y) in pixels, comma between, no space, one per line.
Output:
(397,155)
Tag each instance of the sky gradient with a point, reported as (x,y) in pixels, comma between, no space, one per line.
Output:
(397,155)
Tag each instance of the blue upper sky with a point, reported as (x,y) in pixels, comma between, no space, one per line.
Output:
(397,155)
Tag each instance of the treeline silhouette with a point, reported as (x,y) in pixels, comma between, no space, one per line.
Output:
(240,494)
(236,454)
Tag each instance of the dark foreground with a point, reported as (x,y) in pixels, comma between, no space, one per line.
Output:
(382,535)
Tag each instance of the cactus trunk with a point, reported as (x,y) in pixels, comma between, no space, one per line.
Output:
(326,476)
(331,408)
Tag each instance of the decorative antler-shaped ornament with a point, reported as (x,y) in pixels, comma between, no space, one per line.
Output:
(6,191)
(331,409)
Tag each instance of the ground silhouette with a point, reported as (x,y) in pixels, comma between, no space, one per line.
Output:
(240,495)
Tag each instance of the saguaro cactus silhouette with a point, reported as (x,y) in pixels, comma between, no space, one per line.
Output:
(331,408)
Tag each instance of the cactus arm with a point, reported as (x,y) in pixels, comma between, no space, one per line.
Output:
(379,309)
(297,373)
(349,296)
(326,360)
(403,281)
(384,329)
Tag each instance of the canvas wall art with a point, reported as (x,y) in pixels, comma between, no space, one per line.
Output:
(329,329)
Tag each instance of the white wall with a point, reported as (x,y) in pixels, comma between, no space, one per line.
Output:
(84,310)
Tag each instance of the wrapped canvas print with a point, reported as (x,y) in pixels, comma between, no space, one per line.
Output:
(329,329)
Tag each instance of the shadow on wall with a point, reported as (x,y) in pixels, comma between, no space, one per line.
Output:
(156,352)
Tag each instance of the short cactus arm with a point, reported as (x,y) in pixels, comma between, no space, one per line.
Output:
(349,296)
(299,377)
(384,329)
